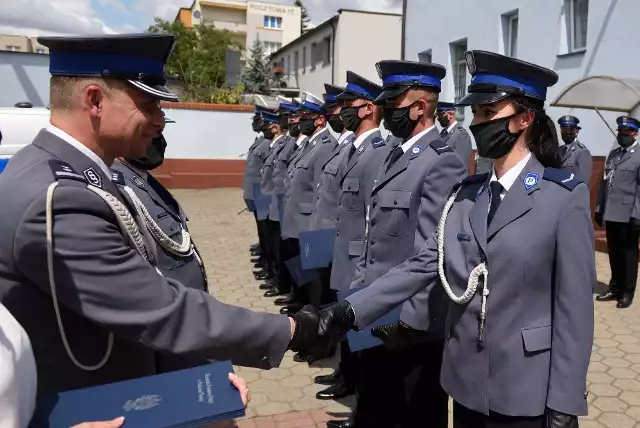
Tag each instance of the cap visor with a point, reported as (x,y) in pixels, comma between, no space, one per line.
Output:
(389,94)
(478,98)
(160,92)
(346,96)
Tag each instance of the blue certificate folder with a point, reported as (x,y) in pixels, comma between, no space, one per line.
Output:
(363,339)
(261,202)
(299,275)
(316,248)
(186,398)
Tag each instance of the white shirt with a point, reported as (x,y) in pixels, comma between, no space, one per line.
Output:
(343,137)
(300,139)
(81,147)
(18,378)
(358,141)
(275,140)
(318,133)
(407,144)
(450,127)
(511,176)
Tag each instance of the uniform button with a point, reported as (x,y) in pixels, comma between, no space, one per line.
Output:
(373,222)
(337,233)
(395,202)
(373,241)
(372,261)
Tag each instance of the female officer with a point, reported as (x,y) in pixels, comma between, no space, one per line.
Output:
(515,253)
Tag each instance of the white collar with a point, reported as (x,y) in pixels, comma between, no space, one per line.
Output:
(317,133)
(450,127)
(81,147)
(275,140)
(358,141)
(512,175)
(300,139)
(343,137)
(407,144)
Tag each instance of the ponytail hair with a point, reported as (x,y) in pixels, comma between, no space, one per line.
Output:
(543,138)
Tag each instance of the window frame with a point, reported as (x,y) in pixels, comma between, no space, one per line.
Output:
(572,27)
(509,49)
(304,60)
(459,68)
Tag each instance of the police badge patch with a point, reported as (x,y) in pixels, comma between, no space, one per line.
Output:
(93,177)
(138,182)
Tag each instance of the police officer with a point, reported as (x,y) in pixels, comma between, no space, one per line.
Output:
(619,209)
(453,133)
(515,253)
(76,269)
(407,202)
(575,156)
(303,187)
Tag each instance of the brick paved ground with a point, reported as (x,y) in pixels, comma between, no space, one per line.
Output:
(285,397)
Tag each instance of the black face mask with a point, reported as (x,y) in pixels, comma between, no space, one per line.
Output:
(568,138)
(284,122)
(336,123)
(625,140)
(399,122)
(307,126)
(256,125)
(268,134)
(493,138)
(350,117)
(294,130)
(444,121)
(154,156)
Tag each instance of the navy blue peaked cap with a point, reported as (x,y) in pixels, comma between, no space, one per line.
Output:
(330,94)
(138,59)
(359,88)
(569,121)
(270,118)
(445,106)
(399,76)
(495,77)
(628,122)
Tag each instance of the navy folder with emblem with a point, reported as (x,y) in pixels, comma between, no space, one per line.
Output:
(187,398)
(261,202)
(299,275)
(363,339)
(316,248)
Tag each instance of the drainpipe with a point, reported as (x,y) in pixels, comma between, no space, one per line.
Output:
(403,31)
(333,51)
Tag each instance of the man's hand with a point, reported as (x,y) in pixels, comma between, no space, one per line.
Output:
(241,385)
(555,419)
(116,423)
(306,337)
(399,335)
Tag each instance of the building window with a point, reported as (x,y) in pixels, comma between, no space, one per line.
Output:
(510,34)
(304,59)
(314,56)
(288,69)
(578,17)
(459,73)
(296,63)
(270,47)
(273,22)
(425,56)
(13,48)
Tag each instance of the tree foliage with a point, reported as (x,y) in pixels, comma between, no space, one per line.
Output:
(198,59)
(305,20)
(258,76)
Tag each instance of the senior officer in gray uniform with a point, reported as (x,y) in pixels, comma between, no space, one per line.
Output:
(515,253)
(619,209)
(303,187)
(407,202)
(77,271)
(575,156)
(453,133)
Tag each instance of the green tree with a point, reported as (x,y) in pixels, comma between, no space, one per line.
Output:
(304,16)
(257,77)
(198,59)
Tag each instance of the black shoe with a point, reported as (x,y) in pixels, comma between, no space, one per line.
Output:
(300,358)
(624,302)
(349,423)
(274,292)
(286,300)
(260,272)
(335,392)
(264,277)
(608,296)
(260,265)
(290,310)
(254,247)
(257,260)
(330,379)
(266,286)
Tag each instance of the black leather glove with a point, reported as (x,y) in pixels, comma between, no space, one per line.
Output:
(337,320)
(598,219)
(306,338)
(635,223)
(555,419)
(399,335)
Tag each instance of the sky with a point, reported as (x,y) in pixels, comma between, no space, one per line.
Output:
(65,17)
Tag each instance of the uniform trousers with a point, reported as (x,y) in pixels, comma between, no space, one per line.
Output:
(622,243)
(395,388)
(348,360)
(465,418)
(273,242)
(291,248)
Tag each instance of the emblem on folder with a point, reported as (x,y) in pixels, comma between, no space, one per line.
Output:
(143,403)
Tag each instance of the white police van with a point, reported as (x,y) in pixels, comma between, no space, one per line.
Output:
(18,127)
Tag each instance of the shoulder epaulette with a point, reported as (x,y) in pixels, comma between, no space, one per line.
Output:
(61,169)
(440,146)
(564,178)
(117,177)
(469,179)
(582,146)
(378,142)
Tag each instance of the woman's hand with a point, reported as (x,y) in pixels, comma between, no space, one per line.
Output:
(116,423)
(240,384)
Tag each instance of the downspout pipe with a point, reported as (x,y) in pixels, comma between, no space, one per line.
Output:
(333,50)
(403,31)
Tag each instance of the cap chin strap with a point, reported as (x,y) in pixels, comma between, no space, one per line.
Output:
(474,276)
(129,229)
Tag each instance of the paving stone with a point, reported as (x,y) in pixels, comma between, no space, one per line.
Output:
(600,378)
(630,348)
(622,373)
(613,420)
(611,352)
(616,362)
(607,343)
(610,404)
(627,385)
(631,397)
(603,390)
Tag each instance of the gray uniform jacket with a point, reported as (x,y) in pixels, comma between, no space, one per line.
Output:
(358,179)
(297,153)
(406,206)
(619,196)
(576,158)
(266,183)
(249,170)
(539,251)
(460,141)
(255,162)
(280,167)
(303,187)
(103,284)
(325,210)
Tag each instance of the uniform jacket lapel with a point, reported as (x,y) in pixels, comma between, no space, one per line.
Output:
(478,216)
(356,155)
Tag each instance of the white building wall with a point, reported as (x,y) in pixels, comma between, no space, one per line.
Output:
(611,40)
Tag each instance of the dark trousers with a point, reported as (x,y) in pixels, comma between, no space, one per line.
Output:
(396,388)
(273,242)
(622,243)
(263,236)
(348,360)
(291,247)
(465,418)
(319,292)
